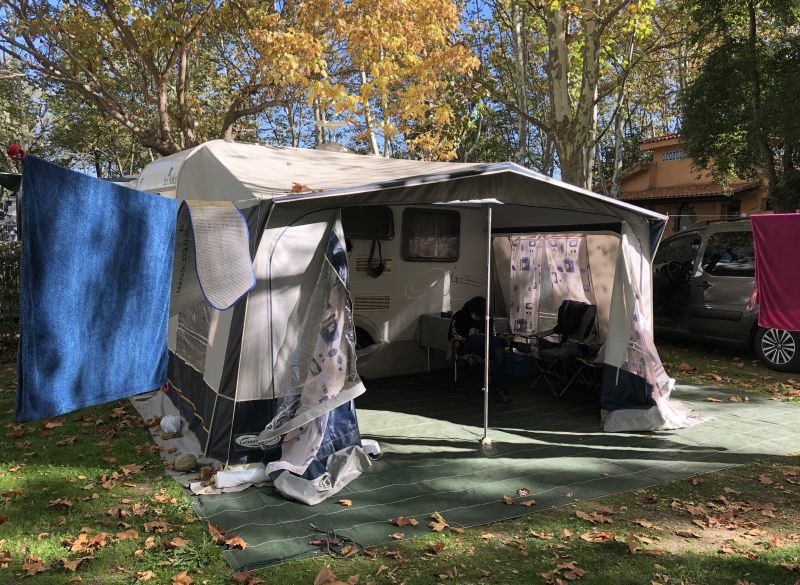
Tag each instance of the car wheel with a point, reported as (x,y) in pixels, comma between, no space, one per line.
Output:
(778,349)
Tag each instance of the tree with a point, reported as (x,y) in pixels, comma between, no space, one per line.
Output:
(648,103)
(173,72)
(741,113)
(558,63)
(78,136)
(398,61)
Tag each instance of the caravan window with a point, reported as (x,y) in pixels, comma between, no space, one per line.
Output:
(431,235)
(372,222)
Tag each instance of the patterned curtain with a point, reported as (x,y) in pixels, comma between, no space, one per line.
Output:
(565,257)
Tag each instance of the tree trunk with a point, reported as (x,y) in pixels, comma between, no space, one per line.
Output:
(548,155)
(184,109)
(98,163)
(616,177)
(373,141)
(574,124)
(755,88)
(319,120)
(520,82)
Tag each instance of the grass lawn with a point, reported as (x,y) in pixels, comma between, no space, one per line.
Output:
(85,499)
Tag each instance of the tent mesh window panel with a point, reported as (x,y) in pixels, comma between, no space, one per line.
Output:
(431,235)
(194,324)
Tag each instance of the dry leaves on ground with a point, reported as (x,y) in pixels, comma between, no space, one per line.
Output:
(127,535)
(597,537)
(182,578)
(569,571)
(401,521)
(327,577)
(439,523)
(72,565)
(33,565)
(594,517)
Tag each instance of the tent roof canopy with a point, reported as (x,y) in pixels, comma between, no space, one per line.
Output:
(302,181)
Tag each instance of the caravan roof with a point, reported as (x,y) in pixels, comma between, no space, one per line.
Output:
(307,180)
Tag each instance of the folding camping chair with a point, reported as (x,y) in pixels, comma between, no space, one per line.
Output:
(469,358)
(572,356)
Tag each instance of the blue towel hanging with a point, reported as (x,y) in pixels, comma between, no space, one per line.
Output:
(95,287)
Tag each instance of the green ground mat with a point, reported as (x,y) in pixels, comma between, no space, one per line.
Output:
(429,430)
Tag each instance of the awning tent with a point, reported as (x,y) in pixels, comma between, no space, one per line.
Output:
(233,368)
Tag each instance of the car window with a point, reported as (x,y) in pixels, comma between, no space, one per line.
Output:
(730,254)
(682,250)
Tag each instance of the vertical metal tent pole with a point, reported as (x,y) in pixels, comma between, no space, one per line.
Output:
(485,440)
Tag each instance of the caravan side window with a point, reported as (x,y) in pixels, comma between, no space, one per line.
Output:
(431,235)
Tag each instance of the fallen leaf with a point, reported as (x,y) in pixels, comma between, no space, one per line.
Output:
(127,535)
(131,469)
(695,510)
(439,523)
(182,578)
(33,565)
(508,500)
(687,534)
(344,502)
(597,537)
(765,480)
(397,536)
(540,535)
(73,565)
(61,503)
(325,577)
(565,534)
(522,492)
(697,480)
(175,543)
(527,503)
(487,536)
(392,554)
(631,542)
(236,542)
(217,533)
(435,547)
(401,521)
(156,526)
(484,574)
(242,577)
(791,566)
(712,399)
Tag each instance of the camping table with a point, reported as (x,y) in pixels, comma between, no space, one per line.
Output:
(433,332)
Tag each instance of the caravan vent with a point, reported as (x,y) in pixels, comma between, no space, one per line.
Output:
(362,261)
(371,303)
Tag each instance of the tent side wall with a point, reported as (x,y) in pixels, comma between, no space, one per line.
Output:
(205,349)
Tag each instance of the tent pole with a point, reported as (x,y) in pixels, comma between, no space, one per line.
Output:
(486,440)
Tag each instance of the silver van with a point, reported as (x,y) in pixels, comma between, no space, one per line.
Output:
(702,283)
